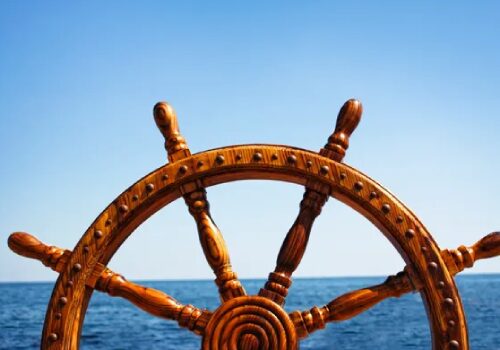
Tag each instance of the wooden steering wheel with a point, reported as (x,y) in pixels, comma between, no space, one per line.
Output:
(257,321)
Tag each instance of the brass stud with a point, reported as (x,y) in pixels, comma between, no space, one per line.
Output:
(58,316)
(343,176)
(358,186)
(63,300)
(454,344)
(123,208)
(53,337)
(108,222)
(200,163)
(291,159)
(449,302)
(239,156)
(257,156)
(386,208)
(451,323)
(324,169)
(150,187)
(424,249)
(399,219)
(198,205)
(274,156)
(441,284)
(410,233)
(433,265)
(77,267)
(373,195)
(183,169)
(219,159)
(97,234)
(69,284)
(164,177)
(309,164)
(135,197)
(86,249)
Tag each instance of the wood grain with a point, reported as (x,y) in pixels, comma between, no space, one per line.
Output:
(148,299)
(252,319)
(240,163)
(315,196)
(213,244)
(355,302)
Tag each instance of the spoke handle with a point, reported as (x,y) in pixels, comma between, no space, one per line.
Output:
(464,257)
(150,300)
(347,120)
(487,247)
(166,121)
(29,246)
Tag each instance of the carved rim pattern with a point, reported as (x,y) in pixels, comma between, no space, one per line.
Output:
(165,184)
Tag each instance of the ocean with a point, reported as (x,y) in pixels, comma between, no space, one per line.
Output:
(113,323)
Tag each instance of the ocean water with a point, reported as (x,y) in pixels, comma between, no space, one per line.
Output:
(113,323)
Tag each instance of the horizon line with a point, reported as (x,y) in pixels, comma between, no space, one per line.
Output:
(253,278)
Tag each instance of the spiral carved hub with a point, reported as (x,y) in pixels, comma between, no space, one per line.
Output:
(250,323)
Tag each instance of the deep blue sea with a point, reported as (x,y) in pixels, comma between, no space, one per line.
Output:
(112,323)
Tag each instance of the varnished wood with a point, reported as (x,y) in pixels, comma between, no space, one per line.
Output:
(353,303)
(464,257)
(166,120)
(148,299)
(117,224)
(347,121)
(213,244)
(29,246)
(251,322)
(315,197)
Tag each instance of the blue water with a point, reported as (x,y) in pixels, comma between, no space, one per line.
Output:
(112,323)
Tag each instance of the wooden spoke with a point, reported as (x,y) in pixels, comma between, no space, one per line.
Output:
(355,302)
(315,196)
(212,242)
(214,246)
(104,280)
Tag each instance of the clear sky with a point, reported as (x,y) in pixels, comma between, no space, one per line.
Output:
(78,82)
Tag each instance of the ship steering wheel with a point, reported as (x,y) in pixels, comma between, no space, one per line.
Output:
(255,321)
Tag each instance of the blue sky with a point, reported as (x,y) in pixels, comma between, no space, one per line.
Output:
(78,82)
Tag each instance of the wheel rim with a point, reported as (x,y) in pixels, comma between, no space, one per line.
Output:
(165,184)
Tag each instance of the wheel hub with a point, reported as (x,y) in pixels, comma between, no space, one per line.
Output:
(250,323)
